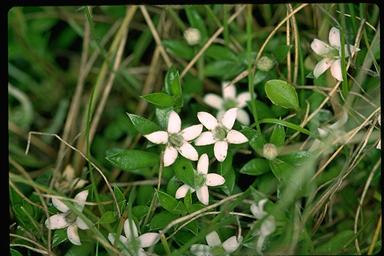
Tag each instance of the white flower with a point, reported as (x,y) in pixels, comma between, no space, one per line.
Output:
(331,54)
(220,132)
(229,100)
(68,181)
(258,209)
(68,219)
(176,140)
(132,240)
(203,179)
(192,36)
(215,247)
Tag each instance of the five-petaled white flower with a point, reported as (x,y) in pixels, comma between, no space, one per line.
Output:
(331,54)
(229,100)
(133,243)
(176,140)
(220,132)
(69,219)
(203,179)
(215,247)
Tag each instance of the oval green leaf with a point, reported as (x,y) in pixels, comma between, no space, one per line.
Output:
(282,94)
(255,167)
(132,159)
(160,99)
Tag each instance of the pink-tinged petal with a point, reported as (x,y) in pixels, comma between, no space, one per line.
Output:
(243,117)
(188,151)
(159,137)
(320,48)
(242,99)
(236,137)
(214,179)
(148,239)
(213,239)
(334,37)
(192,132)
(322,66)
(231,244)
(80,199)
(229,118)
(111,238)
(130,229)
(57,221)
(213,100)
(203,195)
(336,70)
(182,191)
(205,138)
(170,155)
(208,120)
(81,224)
(202,164)
(220,149)
(73,235)
(174,122)
(59,205)
(229,92)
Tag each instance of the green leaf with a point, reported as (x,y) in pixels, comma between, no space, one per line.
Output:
(184,171)
(281,169)
(179,49)
(15,253)
(161,220)
(170,203)
(219,52)
(142,125)
(120,198)
(59,236)
(140,211)
(133,159)
(336,243)
(287,124)
(282,94)
(257,143)
(224,69)
(196,21)
(226,170)
(160,99)
(172,82)
(278,136)
(107,218)
(255,167)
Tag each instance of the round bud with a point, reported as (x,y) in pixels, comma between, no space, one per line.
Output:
(270,151)
(192,36)
(265,63)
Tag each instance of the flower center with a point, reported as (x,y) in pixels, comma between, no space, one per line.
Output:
(229,103)
(220,133)
(333,54)
(71,217)
(199,180)
(217,250)
(176,139)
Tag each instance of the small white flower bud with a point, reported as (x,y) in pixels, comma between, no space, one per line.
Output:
(270,151)
(265,63)
(192,36)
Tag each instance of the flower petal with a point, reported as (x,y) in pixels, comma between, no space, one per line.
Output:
(59,205)
(69,173)
(188,151)
(229,92)
(231,244)
(322,66)
(205,138)
(200,250)
(213,100)
(80,199)
(81,224)
(229,118)
(203,195)
(213,239)
(220,150)
(174,122)
(320,48)
(268,226)
(182,191)
(159,137)
(170,155)
(208,120)
(130,229)
(202,164)
(236,137)
(336,70)
(243,117)
(334,37)
(57,221)
(242,99)
(192,132)
(111,238)
(214,179)
(258,210)
(73,235)
(148,239)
